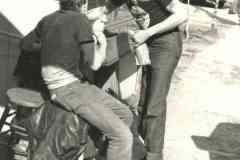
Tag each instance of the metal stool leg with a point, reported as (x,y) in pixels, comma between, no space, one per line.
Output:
(13,132)
(4,117)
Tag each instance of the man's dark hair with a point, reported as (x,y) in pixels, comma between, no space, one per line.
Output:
(70,4)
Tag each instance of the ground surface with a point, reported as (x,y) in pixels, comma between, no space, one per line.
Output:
(203,111)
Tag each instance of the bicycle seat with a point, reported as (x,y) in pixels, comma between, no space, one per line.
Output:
(25,97)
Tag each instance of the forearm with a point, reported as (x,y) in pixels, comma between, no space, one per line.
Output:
(170,23)
(178,16)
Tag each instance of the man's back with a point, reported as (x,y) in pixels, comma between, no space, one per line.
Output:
(62,34)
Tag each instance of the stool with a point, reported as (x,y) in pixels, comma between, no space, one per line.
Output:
(18,97)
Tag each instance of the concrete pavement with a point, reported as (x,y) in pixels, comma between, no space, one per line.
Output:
(203,105)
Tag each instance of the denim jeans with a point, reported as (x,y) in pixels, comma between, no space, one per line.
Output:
(165,51)
(101,110)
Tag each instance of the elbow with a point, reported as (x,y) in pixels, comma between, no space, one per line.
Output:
(180,12)
(97,63)
(35,47)
(182,16)
(183,12)
(30,46)
(96,67)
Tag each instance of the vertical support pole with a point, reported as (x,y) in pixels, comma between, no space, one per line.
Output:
(4,117)
(238,11)
(214,24)
(188,20)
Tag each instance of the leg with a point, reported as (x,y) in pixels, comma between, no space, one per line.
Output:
(102,111)
(164,56)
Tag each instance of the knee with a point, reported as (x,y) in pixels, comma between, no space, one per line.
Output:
(125,138)
(128,136)
(127,116)
(129,120)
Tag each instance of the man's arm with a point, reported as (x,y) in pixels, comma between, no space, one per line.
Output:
(100,46)
(30,43)
(178,16)
(87,32)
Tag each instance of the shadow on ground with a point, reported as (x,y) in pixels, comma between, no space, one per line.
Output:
(223,143)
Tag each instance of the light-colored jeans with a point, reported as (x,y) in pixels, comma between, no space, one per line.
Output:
(101,110)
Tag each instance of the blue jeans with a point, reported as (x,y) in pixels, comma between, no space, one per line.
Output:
(101,110)
(165,51)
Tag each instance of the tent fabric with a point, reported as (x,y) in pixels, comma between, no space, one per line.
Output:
(9,52)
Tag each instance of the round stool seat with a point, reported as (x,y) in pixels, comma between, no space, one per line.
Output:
(25,97)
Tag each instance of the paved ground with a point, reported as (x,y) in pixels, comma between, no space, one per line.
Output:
(203,110)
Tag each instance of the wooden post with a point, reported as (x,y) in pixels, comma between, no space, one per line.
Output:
(216,4)
(215,12)
(188,20)
(238,11)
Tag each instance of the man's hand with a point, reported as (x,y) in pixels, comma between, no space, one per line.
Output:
(100,46)
(139,37)
(98,18)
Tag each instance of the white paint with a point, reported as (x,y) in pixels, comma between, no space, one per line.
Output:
(25,14)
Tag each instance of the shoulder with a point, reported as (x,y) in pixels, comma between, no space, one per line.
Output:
(49,16)
(176,6)
(80,19)
(74,14)
(164,3)
(172,5)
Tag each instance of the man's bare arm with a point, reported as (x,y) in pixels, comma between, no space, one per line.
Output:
(178,16)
